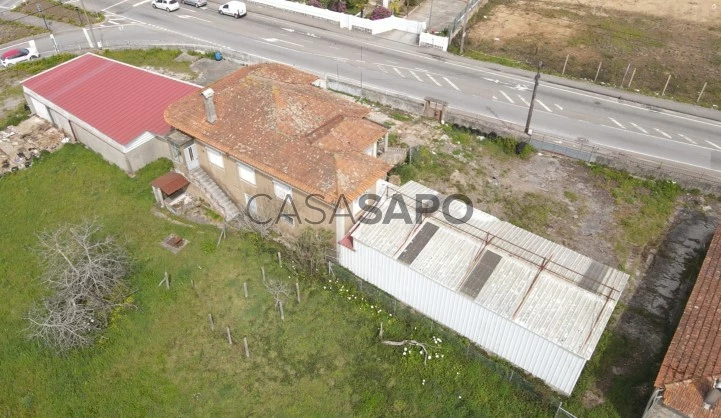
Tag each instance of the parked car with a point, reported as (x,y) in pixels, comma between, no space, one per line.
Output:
(196,3)
(233,8)
(15,56)
(167,5)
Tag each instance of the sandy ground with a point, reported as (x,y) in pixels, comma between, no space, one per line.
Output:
(700,11)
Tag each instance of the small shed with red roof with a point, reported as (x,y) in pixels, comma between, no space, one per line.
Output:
(113,108)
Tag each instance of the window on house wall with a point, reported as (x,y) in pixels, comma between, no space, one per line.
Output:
(288,219)
(246,173)
(281,189)
(175,153)
(214,157)
(252,205)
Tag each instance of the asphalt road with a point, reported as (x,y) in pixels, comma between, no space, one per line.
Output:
(560,111)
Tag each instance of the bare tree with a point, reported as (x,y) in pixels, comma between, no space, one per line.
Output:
(423,346)
(260,218)
(86,272)
(310,249)
(279,290)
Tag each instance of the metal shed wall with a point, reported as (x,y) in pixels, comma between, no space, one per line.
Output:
(556,366)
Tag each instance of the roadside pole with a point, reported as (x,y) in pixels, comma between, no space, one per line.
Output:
(533,99)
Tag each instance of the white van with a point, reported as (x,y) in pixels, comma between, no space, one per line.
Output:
(233,8)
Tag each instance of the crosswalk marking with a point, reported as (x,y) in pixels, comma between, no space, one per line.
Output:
(433,80)
(713,145)
(506,96)
(558,106)
(638,127)
(523,100)
(398,72)
(687,138)
(544,106)
(415,75)
(617,123)
(451,83)
(141,2)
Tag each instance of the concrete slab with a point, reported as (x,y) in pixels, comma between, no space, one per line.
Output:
(441,13)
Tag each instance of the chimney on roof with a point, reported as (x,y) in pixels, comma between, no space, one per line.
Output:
(712,396)
(209,105)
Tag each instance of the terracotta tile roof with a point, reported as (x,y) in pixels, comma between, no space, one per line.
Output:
(687,398)
(170,182)
(693,358)
(271,117)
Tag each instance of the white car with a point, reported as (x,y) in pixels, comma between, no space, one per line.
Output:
(167,5)
(15,56)
(233,8)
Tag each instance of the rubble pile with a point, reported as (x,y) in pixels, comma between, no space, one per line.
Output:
(20,145)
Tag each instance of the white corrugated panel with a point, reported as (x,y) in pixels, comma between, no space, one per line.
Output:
(491,331)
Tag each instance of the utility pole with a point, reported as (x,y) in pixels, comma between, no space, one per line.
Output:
(533,99)
(430,15)
(40,10)
(92,33)
(465,19)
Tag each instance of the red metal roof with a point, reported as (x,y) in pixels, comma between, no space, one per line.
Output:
(119,100)
(170,182)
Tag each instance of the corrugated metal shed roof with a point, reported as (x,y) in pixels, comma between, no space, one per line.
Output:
(170,182)
(119,100)
(551,290)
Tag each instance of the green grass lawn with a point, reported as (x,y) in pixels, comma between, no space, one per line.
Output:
(163,360)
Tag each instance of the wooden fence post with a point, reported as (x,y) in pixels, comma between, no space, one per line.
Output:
(282,317)
(245,289)
(230,339)
(280,260)
(245,345)
(297,291)
(212,324)
(563,72)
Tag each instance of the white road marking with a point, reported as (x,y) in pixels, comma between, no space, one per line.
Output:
(433,80)
(558,106)
(617,123)
(523,100)
(415,75)
(713,145)
(382,69)
(544,106)
(506,96)
(274,40)
(495,98)
(638,127)
(116,4)
(204,20)
(85,31)
(312,35)
(451,83)
(141,3)
(398,72)
(687,138)
(289,30)
(662,133)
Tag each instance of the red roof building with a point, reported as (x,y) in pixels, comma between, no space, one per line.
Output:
(106,104)
(692,363)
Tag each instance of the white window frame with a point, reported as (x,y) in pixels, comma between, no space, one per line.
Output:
(282,190)
(215,157)
(253,207)
(249,175)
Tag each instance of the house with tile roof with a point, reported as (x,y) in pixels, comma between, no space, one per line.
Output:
(265,133)
(688,383)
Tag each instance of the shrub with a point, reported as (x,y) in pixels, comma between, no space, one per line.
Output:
(314,3)
(337,6)
(380,12)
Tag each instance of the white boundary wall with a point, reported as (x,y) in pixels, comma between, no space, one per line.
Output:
(348,21)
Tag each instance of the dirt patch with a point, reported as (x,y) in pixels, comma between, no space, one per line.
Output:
(656,38)
(55,10)
(10,31)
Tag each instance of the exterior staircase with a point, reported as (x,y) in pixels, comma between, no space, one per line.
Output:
(215,194)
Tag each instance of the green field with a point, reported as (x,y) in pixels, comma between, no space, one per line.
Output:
(162,359)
